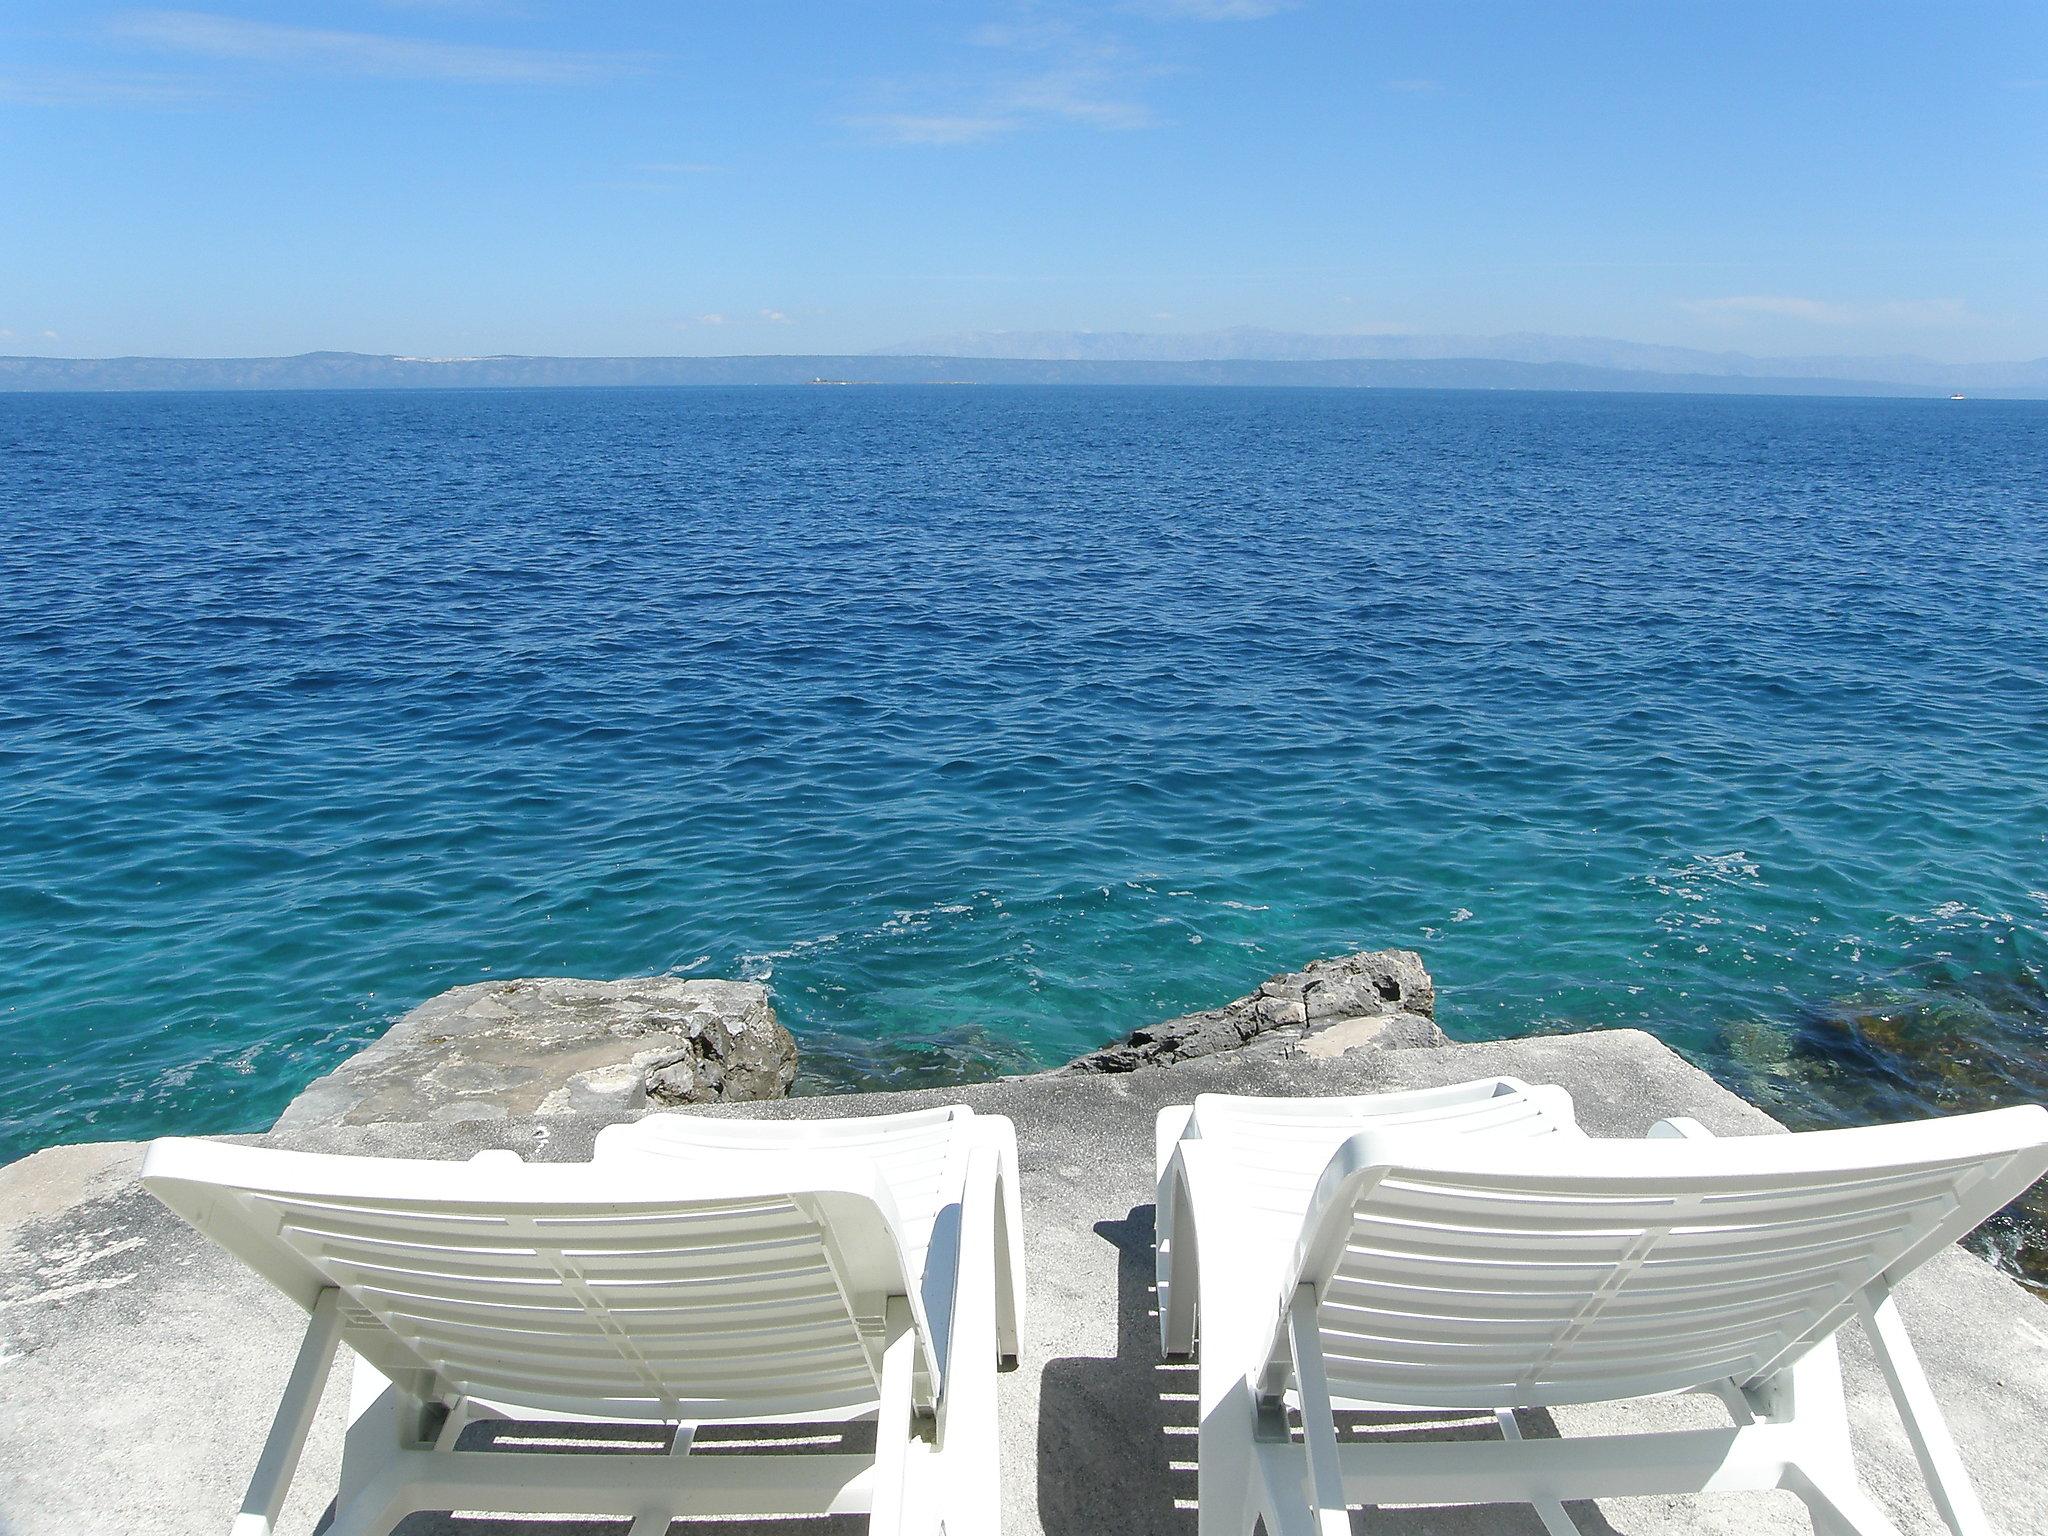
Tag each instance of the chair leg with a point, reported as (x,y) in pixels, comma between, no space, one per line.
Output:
(1318,1423)
(382,1421)
(1281,1503)
(1810,1395)
(1935,1449)
(1549,1511)
(1178,1270)
(452,1427)
(272,1479)
(1838,1506)
(1224,1471)
(887,1513)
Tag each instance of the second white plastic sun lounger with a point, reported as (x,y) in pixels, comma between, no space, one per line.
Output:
(1432,1270)
(779,1287)
(1276,1149)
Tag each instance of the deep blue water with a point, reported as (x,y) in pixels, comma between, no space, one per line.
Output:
(987,724)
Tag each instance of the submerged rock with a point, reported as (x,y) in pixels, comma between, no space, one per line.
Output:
(1946,1038)
(1380,997)
(550,1046)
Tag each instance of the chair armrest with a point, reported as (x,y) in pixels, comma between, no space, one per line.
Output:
(1168,1127)
(1191,1174)
(997,1133)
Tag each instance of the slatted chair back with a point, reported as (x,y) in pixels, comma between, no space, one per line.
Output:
(746,1289)
(918,1153)
(1279,1147)
(1454,1274)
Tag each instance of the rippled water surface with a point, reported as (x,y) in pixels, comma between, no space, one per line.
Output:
(987,724)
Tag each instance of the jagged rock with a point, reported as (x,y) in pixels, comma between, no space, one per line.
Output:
(1380,997)
(552,1046)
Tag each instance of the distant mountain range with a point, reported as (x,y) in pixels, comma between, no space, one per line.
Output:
(1249,343)
(1239,357)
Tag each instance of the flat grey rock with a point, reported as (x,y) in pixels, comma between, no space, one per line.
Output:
(501,1050)
(1380,997)
(139,1366)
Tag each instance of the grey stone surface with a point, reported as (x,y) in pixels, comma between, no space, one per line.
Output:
(1381,997)
(139,1366)
(549,1046)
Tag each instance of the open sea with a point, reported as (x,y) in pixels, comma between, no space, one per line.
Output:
(987,724)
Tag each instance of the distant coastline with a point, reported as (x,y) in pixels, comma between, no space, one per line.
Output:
(358,370)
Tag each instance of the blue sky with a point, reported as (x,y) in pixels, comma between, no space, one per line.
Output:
(450,177)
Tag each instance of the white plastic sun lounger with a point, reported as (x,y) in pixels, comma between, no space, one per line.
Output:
(776,1287)
(1527,1266)
(922,1155)
(1276,1149)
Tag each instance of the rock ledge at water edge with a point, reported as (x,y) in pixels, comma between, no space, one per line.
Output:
(1380,998)
(551,1045)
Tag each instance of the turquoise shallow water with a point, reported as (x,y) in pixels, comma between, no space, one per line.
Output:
(987,724)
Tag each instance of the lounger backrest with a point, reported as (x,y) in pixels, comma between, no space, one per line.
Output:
(1453,1274)
(1278,1147)
(746,1290)
(918,1153)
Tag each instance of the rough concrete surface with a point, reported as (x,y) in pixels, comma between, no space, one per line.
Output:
(141,1366)
(553,1046)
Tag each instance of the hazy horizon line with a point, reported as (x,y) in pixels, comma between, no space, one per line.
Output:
(937,347)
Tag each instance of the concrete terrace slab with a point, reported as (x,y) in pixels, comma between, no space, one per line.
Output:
(139,1366)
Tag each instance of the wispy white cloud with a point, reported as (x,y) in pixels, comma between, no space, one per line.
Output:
(711,319)
(469,7)
(935,127)
(1211,10)
(1830,312)
(205,34)
(775,317)
(1080,94)
(1039,32)
(1059,73)
(99,88)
